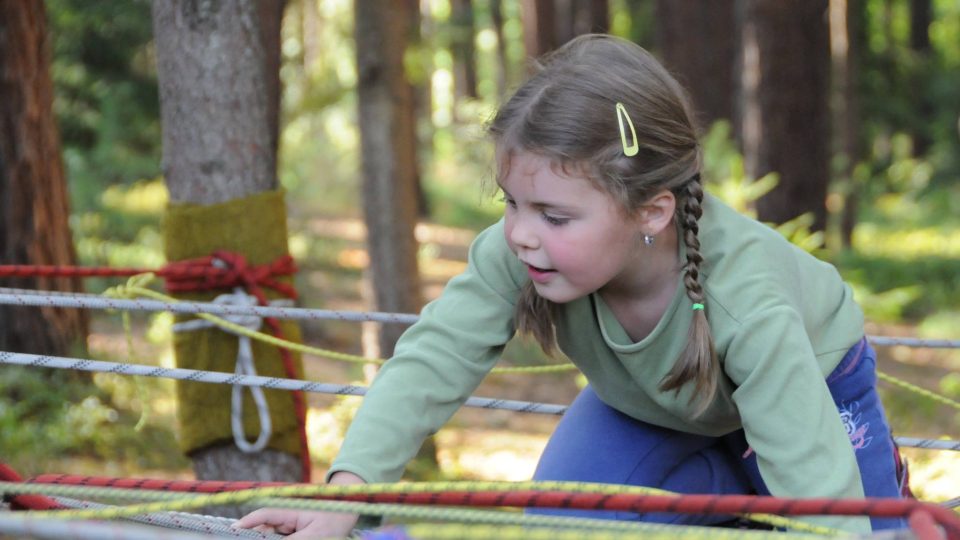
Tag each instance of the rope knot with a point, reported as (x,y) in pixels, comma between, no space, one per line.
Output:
(226,270)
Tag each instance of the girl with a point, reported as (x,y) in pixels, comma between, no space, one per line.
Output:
(721,358)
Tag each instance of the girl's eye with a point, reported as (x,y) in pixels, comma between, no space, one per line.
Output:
(553,220)
(510,202)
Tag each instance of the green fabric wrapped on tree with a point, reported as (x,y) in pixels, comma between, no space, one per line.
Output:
(255,227)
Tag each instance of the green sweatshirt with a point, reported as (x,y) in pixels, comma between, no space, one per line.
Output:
(781,321)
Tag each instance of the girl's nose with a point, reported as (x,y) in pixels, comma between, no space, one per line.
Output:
(523,235)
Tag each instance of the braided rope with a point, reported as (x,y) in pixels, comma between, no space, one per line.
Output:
(205,310)
(921,391)
(31,297)
(215,377)
(306,349)
(631,529)
(26,525)
(211,525)
(441,531)
(521,494)
(28,297)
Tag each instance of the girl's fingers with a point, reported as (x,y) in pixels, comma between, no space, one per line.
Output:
(271,517)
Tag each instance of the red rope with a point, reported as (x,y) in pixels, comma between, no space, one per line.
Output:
(922,515)
(25,502)
(182,276)
(203,274)
(188,275)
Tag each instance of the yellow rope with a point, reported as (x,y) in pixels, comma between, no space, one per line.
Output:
(142,391)
(245,496)
(136,286)
(922,391)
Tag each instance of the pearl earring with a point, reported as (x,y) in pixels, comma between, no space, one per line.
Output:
(648,240)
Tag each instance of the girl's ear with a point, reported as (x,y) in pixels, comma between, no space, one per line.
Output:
(657,213)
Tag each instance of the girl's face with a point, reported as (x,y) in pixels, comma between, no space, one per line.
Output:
(573,238)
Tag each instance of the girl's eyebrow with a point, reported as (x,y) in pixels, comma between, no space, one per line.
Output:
(540,205)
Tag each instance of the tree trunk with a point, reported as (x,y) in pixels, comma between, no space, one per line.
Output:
(846,41)
(34,203)
(462,47)
(576,17)
(497,19)
(920,18)
(784,85)
(214,100)
(696,43)
(388,144)
(219,90)
(539,20)
(422,98)
(386,114)
(591,17)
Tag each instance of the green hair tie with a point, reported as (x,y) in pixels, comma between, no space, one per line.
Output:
(698,307)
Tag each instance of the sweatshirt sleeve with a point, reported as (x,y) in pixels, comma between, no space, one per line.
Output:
(437,364)
(788,414)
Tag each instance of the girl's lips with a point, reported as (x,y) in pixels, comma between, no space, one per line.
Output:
(539,275)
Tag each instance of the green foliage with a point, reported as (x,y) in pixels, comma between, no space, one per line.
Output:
(48,417)
(725,177)
(105,94)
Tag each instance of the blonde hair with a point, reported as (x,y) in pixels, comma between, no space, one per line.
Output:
(566,113)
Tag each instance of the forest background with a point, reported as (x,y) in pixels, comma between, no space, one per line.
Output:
(888,215)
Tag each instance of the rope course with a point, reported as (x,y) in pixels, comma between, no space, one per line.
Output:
(61,507)
(570,495)
(29,297)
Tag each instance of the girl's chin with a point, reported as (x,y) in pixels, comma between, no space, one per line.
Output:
(556,294)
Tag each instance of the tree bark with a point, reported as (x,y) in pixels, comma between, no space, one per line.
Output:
(696,43)
(496,16)
(390,172)
(462,47)
(539,18)
(846,42)
(386,118)
(920,18)
(576,17)
(219,91)
(214,100)
(785,122)
(34,202)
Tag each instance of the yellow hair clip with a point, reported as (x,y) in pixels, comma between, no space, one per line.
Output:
(632,149)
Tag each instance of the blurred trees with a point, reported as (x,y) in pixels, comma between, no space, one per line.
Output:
(388,158)
(697,43)
(34,205)
(784,83)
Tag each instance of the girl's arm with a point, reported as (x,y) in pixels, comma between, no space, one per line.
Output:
(788,413)
(437,363)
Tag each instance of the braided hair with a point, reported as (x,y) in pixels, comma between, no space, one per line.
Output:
(698,361)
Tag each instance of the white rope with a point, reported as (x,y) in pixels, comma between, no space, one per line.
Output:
(57,362)
(28,297)
(212,525)
(243,366)
(929,444)
(213,377)
(20,525)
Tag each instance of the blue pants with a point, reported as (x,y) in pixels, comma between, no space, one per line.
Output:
(596,443)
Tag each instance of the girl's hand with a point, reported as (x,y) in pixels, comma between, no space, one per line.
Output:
(304,525)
